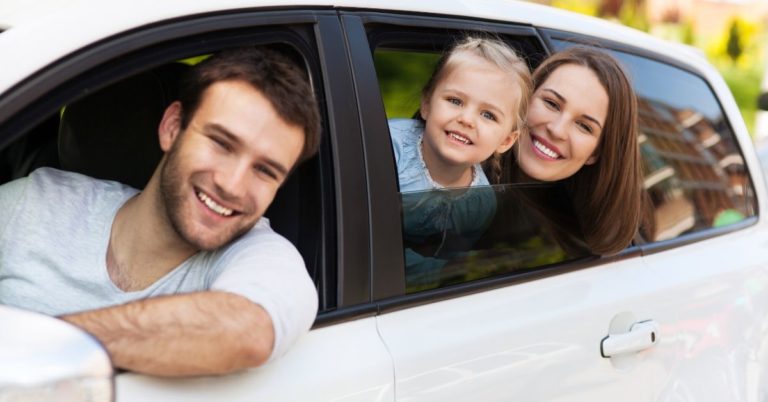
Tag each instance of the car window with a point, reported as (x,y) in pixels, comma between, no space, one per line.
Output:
(695,175)
(454,236)
(458,235)
(111,133)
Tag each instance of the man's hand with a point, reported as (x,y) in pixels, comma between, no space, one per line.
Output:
(183,335)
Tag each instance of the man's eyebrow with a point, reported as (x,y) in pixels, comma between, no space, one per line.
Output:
(563,100)
(221,130)
(213,128)
(276,165)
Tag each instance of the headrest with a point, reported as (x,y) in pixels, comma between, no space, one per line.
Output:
(112,133)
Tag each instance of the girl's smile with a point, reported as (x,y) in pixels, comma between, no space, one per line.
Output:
(469,116)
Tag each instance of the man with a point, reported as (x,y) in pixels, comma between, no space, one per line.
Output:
(185,277)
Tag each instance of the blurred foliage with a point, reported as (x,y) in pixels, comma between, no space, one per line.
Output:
(688,35)
(744,83)
(742,69)
(587,7)
(401,76)
(750,36)
(733,46)
(633,14)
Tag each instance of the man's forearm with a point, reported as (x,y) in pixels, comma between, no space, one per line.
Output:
(180,335)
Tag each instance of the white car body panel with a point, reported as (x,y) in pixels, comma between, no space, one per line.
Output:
(532,341)
(344,363)
(495,346)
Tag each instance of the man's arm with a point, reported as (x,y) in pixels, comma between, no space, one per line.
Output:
(182,335)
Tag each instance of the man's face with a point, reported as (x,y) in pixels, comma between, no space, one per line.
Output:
(222,172)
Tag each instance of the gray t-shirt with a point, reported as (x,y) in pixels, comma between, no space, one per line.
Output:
(54,232)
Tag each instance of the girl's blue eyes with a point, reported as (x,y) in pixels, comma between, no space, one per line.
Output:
(489,116)
(485,114)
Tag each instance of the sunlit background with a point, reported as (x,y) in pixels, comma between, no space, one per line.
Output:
(732,34)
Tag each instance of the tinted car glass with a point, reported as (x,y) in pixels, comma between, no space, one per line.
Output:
(459,235)
(694,173)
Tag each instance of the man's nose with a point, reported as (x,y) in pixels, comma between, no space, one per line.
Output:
(232,179)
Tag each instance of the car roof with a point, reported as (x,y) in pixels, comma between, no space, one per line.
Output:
(55,28)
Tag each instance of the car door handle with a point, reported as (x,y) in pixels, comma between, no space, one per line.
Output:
(642,335)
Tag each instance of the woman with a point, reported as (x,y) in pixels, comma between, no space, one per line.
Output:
(582,129)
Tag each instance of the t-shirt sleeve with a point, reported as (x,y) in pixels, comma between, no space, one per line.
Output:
(267,269)
(11,194)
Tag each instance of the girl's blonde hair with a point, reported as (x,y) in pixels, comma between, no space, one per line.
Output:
(502,56)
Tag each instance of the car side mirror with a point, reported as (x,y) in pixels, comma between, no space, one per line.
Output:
(46,359)
(762,101)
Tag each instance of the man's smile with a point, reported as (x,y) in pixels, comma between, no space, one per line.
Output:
(213,205)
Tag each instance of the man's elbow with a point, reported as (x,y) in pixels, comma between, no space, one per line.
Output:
(256,351)
(257,339)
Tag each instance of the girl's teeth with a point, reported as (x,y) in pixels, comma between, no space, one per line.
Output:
(459,138)
(213,206)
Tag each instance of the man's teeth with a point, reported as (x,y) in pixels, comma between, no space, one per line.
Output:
(212,205)
(546,151)
(459,138)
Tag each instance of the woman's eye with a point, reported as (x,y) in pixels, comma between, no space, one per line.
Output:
(585,127)
(551,104)
(488,115)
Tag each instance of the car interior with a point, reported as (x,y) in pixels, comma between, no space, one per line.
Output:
(111,134)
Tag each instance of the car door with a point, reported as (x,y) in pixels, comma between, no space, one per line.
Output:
(343,357)
(706,248)
(533,326)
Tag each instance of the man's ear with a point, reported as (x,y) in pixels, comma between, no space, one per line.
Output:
(507,143)
(170,126)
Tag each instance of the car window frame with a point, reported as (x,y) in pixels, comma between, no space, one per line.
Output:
(315,33)
(388,276)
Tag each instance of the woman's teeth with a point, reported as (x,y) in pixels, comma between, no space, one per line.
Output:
(546,151)
(213,206)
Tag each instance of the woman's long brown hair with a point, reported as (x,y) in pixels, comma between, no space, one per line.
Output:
(607,194)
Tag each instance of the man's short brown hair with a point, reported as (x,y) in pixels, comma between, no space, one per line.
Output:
(276,75)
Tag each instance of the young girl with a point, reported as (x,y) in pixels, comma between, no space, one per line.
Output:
(472,111)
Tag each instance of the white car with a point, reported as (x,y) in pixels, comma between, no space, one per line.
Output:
(680,315)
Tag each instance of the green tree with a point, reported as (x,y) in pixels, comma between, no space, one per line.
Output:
(633,14)
(734,48)
(688,35)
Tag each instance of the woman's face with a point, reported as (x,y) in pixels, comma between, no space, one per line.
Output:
(565,120)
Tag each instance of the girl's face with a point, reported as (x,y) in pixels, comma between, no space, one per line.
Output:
(565,120)
(470,114)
